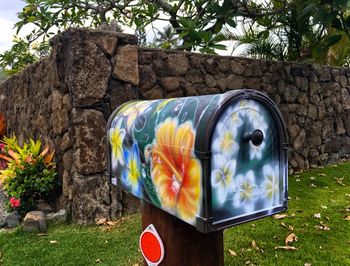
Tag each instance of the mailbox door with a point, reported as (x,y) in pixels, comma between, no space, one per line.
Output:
(248,164)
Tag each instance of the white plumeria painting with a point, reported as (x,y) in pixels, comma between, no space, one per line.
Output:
(245,177)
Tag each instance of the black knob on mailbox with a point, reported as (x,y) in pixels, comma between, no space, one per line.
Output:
(256,137)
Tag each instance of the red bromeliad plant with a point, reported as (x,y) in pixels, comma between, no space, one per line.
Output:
(30,174)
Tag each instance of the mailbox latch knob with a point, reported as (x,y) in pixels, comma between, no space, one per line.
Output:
(256,137)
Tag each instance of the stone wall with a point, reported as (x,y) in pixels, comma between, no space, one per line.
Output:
(66,99)
(314,100)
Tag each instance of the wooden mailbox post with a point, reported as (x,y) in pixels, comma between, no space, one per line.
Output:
(200,165)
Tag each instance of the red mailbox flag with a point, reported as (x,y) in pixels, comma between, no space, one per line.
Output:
(151,246)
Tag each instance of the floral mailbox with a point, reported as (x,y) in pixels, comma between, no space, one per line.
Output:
(212,161)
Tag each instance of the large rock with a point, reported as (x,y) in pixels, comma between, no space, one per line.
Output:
(91,198)
(170,84)
(299,140)
(234,82)
(57,217)
(177,64)
(34,221)
(43,206)
(126,67)
(60,112)
(86,68)
(12,219)
(155,93)
(90,141)
(148,78)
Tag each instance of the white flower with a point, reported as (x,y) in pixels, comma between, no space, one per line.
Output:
(256,151)
(241,107)
(233,119)
(222,176)
(271,185)
(245,196)
(224,140)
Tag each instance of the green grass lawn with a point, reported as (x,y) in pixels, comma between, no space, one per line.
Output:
(323,191)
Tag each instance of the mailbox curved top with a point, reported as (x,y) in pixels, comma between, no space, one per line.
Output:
(212,161)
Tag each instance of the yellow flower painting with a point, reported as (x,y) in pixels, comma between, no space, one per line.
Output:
(116,138)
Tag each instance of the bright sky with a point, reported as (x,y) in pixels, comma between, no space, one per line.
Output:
(8,18)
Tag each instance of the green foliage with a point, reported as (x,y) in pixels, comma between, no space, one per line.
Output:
(308,31)
(196,25)
(296,30)
(30,174)
(22,54)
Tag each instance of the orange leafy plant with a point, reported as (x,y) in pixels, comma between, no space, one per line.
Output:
(175,172)
(30,174)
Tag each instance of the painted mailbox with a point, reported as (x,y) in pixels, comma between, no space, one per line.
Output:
(212,161)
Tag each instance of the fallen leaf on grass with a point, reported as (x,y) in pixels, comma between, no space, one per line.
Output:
(254,245)
(312,178)
(135,264)
(53,241)
(312,185)
(324,207)
(346,210)
(322,227)
(283,225)
(291,228)
(111,223)
(232,253)
(106,222)
(307,264)
(340,181)
(286,248)
(42,234)
(347,218)
(290,239)
(101,221)
(322,174)
(279,216)
(98,261)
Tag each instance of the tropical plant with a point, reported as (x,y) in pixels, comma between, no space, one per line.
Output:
(22,54)
(315,31)
(167,38)
(30,174)
(296,30)
(196,24)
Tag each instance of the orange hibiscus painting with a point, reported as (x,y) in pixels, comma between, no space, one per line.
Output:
(176,173)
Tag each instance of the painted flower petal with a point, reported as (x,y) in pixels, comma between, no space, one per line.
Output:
(116,138)
(176,173)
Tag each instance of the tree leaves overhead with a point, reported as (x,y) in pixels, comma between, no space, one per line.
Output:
(297,30)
